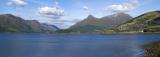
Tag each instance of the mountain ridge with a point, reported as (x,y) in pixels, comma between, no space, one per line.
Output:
(11,23)
(91,23)
(147,22)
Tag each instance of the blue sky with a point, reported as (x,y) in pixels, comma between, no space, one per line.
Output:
(64,13)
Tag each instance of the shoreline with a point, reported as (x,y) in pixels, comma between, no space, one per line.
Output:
(152,49)
(94,33)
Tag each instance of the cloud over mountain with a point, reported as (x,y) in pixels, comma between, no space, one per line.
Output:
(86,9)
(18,3)
(54,12)
(125,7)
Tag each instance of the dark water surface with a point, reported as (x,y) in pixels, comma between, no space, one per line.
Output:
(81,45)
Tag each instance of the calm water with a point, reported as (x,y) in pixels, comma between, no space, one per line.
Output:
(49,45)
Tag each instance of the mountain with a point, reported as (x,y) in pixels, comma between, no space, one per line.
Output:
(47,27)
(93,24)
(11,23)
(148,22)
(34,25)
(41,27)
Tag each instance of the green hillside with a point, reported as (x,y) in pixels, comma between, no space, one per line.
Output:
(148,22)
(92,24)
(11,23)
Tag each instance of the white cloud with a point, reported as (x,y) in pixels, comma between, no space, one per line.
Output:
(54,12)
(19,3)
(125,7)
(85,8)
(62,23)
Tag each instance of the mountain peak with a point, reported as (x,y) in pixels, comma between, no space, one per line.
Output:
(91,17)
(9,15)
(142,23)
(18,24)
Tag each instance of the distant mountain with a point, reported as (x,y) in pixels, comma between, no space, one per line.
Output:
(148,22)
(11,23)
(93,24)
(47,27)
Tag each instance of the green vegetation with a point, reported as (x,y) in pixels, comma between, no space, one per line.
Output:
(114,24)
(152,29)
(11,23)
(93,25)
(86,29)
(148,22)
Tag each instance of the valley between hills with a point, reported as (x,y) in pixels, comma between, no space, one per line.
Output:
(117,23)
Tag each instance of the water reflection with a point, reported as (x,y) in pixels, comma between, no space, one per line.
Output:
(47,45)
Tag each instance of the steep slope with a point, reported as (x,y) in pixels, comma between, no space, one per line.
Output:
(93,24)
(89,20)
(47,27)
(11,23)
(115,19)
(89,24)
(34,25)
(41,27)
(148,22)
